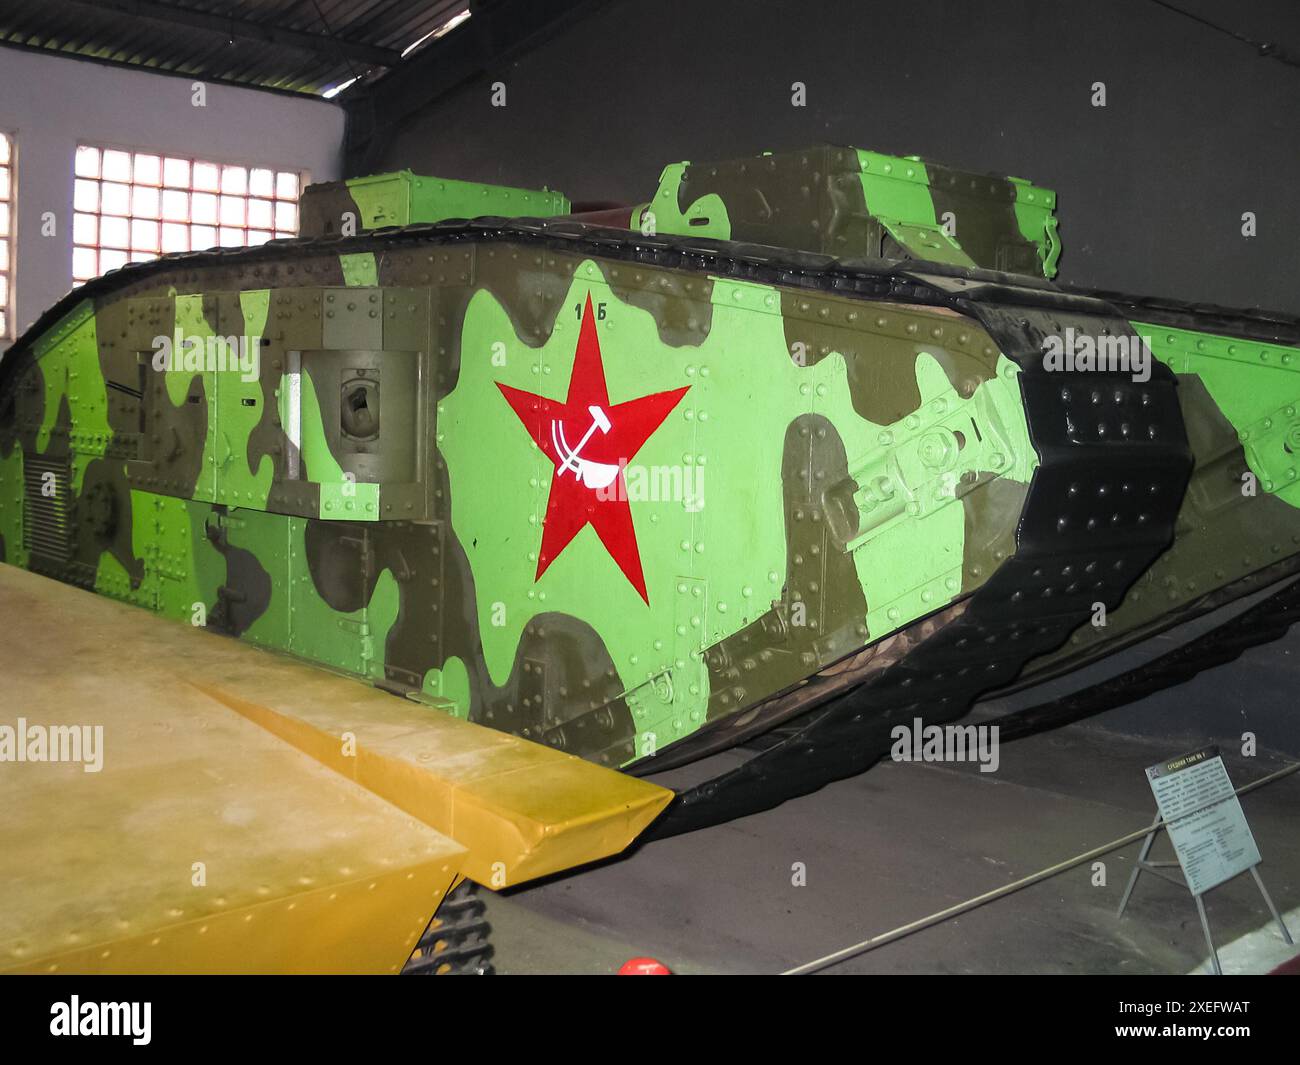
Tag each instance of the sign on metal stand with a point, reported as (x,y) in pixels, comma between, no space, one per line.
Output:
(1199,808)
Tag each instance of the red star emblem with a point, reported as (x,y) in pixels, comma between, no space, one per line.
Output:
(590,442)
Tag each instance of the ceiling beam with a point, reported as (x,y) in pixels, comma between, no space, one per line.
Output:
(245,29)
(499,30)
(255,83)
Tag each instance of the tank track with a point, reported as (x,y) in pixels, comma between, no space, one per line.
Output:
(1069,555)
(1071,552)
(1268,620)
(456,941)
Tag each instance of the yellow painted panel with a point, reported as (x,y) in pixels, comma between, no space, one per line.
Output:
(522,810)
(328,852)
(183,838)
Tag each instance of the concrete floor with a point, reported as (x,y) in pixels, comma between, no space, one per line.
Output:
(906,840)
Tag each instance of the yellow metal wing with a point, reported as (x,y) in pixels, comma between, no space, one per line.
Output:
(226,809)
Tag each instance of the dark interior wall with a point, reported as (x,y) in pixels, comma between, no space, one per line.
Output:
(1198,128)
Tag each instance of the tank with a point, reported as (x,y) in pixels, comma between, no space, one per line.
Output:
(804,447)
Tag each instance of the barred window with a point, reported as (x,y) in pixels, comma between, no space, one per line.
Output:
(130,206)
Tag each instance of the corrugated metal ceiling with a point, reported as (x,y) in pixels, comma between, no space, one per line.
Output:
(304,46)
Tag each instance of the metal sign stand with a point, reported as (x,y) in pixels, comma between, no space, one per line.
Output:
(1158,868)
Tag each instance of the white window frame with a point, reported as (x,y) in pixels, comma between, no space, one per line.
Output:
(10,238)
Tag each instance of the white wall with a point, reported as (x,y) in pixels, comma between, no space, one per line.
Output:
(49,103)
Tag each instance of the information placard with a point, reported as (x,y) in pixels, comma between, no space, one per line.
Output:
(1204,818)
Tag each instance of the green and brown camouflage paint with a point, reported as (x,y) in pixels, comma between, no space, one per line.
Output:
(839,470)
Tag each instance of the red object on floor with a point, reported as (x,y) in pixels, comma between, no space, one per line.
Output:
(1288,968)
(644,967)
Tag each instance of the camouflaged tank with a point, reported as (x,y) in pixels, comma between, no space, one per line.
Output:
(803,447)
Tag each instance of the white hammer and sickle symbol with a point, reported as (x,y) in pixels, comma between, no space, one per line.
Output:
(593,474)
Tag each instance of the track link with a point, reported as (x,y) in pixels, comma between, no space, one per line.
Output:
(456,941)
